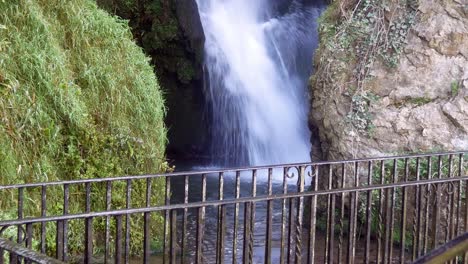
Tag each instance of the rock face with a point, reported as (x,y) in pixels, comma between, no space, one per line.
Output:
(420,105)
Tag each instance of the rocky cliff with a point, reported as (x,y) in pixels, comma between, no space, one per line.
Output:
(391,78)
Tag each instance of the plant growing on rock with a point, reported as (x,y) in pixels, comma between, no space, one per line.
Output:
(360,33)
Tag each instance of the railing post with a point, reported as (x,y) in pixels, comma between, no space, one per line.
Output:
(299,214)
(313,214)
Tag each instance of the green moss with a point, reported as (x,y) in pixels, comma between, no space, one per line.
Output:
(420,101)
(78,99)
(454,87)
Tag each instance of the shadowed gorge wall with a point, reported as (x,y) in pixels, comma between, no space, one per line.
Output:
(170,32)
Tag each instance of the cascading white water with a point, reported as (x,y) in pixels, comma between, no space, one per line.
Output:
(257,63)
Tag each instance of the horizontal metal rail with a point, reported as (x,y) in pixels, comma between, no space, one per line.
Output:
(240,169)
(446,252)
(383,210)
(27,254)
(216,203)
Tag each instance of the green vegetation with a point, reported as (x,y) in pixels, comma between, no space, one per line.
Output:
(454,87)
(156,28)
(420,101)
(354,35)
(78,100)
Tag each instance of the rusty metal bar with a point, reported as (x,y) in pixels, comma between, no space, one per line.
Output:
(128,205)
(107,235)
(118,240)
(43,214)
(380,243)
(436,207)
(403,215)
(221,222)
(236,220)
(447,252)
(167,223)
(184,221)
(173,236)
(194,173)
(26,253)
(201,224)
(283,217)
(359,209)
(329,240)
(268,237)
(342,215)
(367,256)
(299,216)
(146,225)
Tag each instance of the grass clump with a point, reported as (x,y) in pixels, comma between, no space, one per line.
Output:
(78,99)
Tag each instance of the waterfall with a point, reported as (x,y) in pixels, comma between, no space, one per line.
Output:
(258,58)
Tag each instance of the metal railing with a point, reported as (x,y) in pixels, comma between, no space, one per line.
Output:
(384,210)
(446,252)
(18,254)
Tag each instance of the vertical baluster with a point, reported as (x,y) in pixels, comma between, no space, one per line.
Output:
(246,247)
(342,214)
(236,224)
(459,196)
(328,237)
(201,223)
(331,233)
(269,220)
(184,220)
(146,225)
(43,214)
(460,173)
(450,217)
(173,236)
(167,221)
(426,209)
(128,205)
(66,199)
(29,234)
(313,215)
(452,193)
(107,235)
(221,222)
(403,216)
(283,217)
(380,243)
(19,236)
(118,240)
(417,212)
(436,207)
(353,199)
(290,229)
(299,215)
(368,214)
(59,240)
(252,216)
(392,211)
(88,226)
(458,205)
